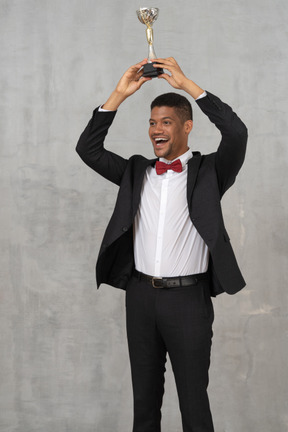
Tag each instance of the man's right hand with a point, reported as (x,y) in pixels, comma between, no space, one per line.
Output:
(130,82)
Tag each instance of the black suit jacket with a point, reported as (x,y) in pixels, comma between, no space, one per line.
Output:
(209,176)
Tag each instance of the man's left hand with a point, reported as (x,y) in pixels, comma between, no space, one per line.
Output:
(177,79)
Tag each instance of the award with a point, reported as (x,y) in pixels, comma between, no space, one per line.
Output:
(147,16)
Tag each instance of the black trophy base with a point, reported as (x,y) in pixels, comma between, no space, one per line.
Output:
(150,71)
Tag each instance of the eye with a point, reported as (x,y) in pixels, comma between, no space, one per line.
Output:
(167,122)
(152,123)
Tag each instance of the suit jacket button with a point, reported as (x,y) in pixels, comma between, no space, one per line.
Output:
(124,229)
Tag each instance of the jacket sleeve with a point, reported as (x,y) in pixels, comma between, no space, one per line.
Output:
(231,151)
(90,148)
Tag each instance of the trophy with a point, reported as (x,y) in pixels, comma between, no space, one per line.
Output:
(147,16)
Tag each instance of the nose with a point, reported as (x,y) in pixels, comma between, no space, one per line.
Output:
(158,128)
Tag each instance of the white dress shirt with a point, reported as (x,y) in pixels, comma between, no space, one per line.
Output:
(166,243)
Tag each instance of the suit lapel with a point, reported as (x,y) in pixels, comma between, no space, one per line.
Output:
(142,165)
(193,168)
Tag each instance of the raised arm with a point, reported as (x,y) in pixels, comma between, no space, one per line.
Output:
(231,151)
(177,79)
(90,146)
(130,82)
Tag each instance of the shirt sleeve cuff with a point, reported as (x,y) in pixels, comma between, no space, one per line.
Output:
(100,109)
(199,97)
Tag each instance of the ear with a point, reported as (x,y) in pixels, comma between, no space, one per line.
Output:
(188,126)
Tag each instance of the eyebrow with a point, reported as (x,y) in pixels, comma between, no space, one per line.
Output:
(163,118)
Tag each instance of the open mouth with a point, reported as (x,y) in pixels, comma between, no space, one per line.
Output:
(159,141)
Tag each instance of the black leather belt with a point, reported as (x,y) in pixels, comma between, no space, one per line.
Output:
(171,282)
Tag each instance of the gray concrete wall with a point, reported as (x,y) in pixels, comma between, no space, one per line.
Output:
(64,362)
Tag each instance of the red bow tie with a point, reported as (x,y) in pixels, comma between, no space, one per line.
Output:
(162,167)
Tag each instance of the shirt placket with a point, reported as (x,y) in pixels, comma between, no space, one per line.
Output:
(161,223)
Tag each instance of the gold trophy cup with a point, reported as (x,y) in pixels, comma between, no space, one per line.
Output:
(148,16)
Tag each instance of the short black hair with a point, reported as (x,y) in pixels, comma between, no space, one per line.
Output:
(181,104)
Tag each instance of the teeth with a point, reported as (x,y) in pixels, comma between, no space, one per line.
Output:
(160,139)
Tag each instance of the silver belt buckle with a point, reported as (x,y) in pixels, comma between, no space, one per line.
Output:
(153,282)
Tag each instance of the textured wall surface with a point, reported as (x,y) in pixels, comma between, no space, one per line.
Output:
(64,361)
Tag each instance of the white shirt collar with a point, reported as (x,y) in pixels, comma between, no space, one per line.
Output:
(184,158)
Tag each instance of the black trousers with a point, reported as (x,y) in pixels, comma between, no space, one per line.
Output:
(177,321)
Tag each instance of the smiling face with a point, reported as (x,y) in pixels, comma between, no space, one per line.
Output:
(168,133)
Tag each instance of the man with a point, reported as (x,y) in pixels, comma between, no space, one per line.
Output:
(166,243)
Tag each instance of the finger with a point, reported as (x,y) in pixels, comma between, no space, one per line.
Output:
(137,67)
(163,65)
(143,80)
(158,64)
(141,63)
(167,61)
(172,59)
(140,72)
(165,76)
